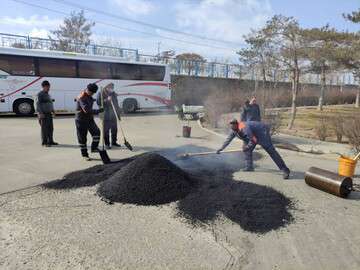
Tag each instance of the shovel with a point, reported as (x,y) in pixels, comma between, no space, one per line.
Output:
(126,143)
(186,155)
(103,154)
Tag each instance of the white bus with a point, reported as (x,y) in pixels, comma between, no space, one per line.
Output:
(138,85)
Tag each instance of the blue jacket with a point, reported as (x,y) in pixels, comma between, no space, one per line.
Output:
(251,113)
(253,133)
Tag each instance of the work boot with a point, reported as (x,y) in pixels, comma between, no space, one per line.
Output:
(86,158)
(286,174)
(95,150)
(47,145)
(248,169)
(53,143)
(116,144)
(108,147)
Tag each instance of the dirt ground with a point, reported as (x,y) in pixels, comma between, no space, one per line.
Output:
(47,228)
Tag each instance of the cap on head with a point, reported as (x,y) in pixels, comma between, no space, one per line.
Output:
(92,87)
(45,83)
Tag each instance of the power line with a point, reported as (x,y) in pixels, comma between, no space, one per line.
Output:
(145,23)
(128,29)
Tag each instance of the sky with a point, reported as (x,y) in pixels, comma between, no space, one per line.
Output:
(216,27)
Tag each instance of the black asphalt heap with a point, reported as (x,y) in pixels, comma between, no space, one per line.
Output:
(150,179)
(255,208)
(87,177)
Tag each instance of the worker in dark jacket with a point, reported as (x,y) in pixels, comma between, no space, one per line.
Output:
(251,111)
(253,133)
(45,110)
(110,116)
(84,120)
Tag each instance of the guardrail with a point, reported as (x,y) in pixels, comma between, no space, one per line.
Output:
(178,67)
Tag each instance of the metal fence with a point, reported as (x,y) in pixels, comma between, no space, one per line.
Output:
(178,67)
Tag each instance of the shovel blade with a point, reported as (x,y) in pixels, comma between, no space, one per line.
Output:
(104,156)
(128,145)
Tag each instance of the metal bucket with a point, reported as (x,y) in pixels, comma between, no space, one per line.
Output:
(329,182)
(186,131)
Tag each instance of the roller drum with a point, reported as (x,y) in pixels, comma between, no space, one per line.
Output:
(329,182)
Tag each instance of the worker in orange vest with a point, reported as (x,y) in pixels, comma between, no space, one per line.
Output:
(253,133)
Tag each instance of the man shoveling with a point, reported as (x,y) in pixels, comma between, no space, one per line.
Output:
(253,133)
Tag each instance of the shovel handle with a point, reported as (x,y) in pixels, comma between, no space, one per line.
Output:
(206,153)
(357,156)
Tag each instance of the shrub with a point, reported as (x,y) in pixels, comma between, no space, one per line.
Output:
(352,131)
(337,123)
(274,121)
(322,128)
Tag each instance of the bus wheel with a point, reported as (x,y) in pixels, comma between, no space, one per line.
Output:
(24,107)
(130,105)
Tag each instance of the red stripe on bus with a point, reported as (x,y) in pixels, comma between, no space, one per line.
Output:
(156,98)
(22,88)
(148,83)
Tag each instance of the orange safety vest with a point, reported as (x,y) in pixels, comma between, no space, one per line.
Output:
(241,126)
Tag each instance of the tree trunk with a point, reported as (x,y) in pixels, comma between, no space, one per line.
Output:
(322,89)
(263,71)
(294,90)
(357,102)
(263,105)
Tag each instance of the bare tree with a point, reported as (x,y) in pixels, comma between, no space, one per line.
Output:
(74,34)
(288,43)
(191,61)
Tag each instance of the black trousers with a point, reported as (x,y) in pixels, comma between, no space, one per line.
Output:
(47,129)
(110,125)
(82,128)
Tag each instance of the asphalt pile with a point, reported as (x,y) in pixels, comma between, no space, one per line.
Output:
(256,208)
(150,179)
(87,177)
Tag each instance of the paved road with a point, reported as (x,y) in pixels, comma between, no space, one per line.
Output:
(23,162)
(73,229)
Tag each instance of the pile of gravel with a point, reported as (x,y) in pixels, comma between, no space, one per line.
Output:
(150,179)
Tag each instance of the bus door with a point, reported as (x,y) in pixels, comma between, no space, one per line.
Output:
(4,102)
(70,101)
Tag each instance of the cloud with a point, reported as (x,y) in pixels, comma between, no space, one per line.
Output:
(39,33)
(222,19)
(135,7)
(32,21)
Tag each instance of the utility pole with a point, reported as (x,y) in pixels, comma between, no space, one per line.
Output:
(158,48)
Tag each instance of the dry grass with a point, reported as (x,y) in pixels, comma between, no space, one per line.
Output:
(307,121)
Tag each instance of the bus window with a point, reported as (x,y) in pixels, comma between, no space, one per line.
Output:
(152,73)
(126,72)
(17,65)
(57,68)
(95,70)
